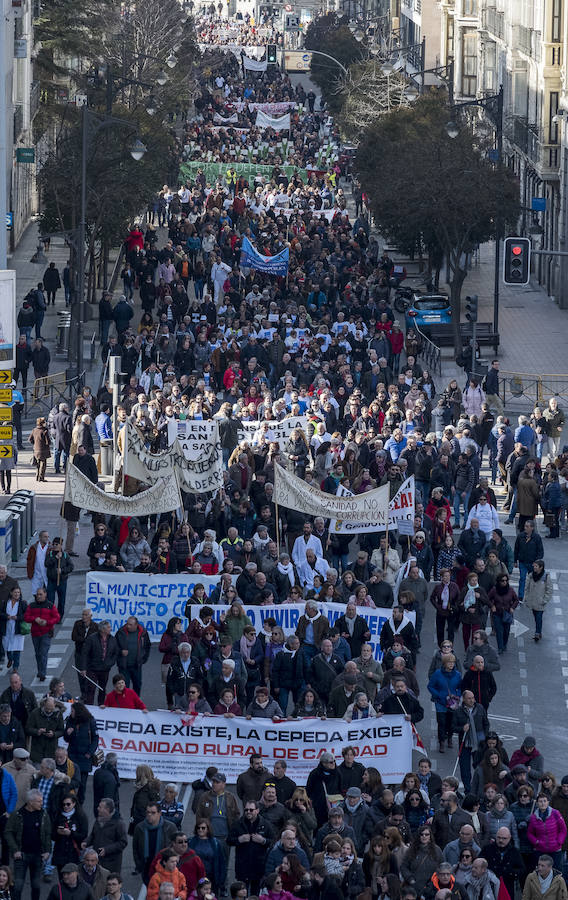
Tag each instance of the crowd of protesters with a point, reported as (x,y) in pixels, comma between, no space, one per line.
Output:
(216,341)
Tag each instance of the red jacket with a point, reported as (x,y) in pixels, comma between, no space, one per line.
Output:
(190,865)
(127,700)
(396,339)
(46,611)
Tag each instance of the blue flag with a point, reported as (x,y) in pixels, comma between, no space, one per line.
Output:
(274,265)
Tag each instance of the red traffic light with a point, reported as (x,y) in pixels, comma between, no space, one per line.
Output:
(516,251)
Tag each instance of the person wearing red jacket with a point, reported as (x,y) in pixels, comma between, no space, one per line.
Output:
(42,616)
(122,697)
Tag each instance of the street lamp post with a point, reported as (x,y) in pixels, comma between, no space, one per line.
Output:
(445,73)
(91,125)
(493,104)
(332,58)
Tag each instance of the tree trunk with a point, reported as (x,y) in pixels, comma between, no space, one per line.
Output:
(456,284)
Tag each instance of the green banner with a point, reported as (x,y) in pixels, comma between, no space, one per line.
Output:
(217,171)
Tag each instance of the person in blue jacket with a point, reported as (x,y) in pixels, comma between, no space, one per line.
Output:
(83,739)
(445,689)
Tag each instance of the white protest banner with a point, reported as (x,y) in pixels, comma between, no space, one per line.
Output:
(254,65)
(279,431)
(231,119)
(273,109)
(287,616)
(153,599)
(280,123)
(401,513)
(163,496)
(196,437)
(198,475)
(293,493)
(176,745)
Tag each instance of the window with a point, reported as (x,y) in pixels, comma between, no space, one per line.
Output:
(552,110)
(449,37)
(490,67)
(470,7)
(469,63)
(556,30)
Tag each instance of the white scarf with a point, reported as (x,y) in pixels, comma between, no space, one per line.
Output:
(287,570)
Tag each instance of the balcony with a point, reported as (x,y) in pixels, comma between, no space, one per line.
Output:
(494,22)
(529,139)
(528,41)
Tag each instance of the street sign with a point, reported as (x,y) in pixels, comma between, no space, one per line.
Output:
(6,414)
(6,432)
(297,60)
(5,376)
(6,451)
(6,395)
(9,220)
(25,154)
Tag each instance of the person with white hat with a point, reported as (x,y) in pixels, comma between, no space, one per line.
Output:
(22,771)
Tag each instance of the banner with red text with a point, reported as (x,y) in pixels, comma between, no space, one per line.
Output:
(179,747)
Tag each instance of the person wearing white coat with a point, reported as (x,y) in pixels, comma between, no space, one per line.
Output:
(311,566)
(487,516)
(473,398)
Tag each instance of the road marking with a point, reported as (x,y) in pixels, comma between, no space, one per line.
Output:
(523,673)
(53,663)
(506,719)
(524,690)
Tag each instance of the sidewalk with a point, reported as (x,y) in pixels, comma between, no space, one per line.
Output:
(532,327)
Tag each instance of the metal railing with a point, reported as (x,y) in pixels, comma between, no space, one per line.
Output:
(46,392)
(532,388)
(430,353)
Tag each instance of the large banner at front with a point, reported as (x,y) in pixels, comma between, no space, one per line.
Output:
(277,123)
(175,745)
(279,431)
(154,599)
(163,496)
(401,512)
(196,460)
(293,493)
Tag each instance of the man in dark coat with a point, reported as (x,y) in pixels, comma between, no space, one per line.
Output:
(134,650)
(51,282)
(62,427)
(41,358)
(504,860)
(325,666)
(323,781)
(100,653)
(106,783)
(108,835)
(251,836)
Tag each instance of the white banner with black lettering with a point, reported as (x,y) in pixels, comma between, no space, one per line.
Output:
(154,599)
(196,460)
(175,745)
(163,496)
(401,513)
(293,493)
(279,431)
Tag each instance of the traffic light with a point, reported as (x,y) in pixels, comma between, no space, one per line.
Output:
(271,55)
(471,308)
(517,260)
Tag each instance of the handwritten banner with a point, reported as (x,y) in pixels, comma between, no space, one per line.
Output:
(163,496)
(279,431)
(196,472)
